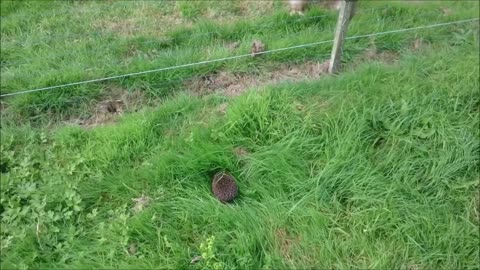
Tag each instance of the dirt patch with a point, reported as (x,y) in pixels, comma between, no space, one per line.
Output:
(232,46)
(121,26)
(222,108)
(418,44)
(446,11)
(240,152)
(299,106)
(111,107)
(388,57)
(132,249)
(250,8)
(106,111)
(413,266)
(372,54)
(232,85)
(140,203)
(133,51)
(144,18)
(286,242)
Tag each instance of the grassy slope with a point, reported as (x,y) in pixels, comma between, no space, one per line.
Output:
(374,168)
(86,40)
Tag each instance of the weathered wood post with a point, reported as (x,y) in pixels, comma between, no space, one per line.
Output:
(347,10)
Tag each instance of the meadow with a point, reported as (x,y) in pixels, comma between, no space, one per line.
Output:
(375,167)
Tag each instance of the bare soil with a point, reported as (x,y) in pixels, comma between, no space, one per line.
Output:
(111,107)
(233,85)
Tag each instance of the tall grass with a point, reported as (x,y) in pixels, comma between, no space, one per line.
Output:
(93,43)
(374,168)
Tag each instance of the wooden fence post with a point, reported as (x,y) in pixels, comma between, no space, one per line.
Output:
(347,9)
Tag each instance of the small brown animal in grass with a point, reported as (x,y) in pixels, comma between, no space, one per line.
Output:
(224,187)
(257,47)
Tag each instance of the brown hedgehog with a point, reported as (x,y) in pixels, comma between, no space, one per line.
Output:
(224,187)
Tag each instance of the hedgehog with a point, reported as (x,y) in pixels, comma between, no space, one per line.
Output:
(224,187)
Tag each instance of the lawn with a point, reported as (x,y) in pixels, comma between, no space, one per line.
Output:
(376,167)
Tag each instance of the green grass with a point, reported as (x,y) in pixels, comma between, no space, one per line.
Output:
(87,40)
(374,168)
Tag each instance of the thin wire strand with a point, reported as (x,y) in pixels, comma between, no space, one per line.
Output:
(192,78)
(232,58)
(412,28)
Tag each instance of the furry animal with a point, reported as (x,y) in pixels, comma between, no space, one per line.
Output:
(224,187)
(257,47)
